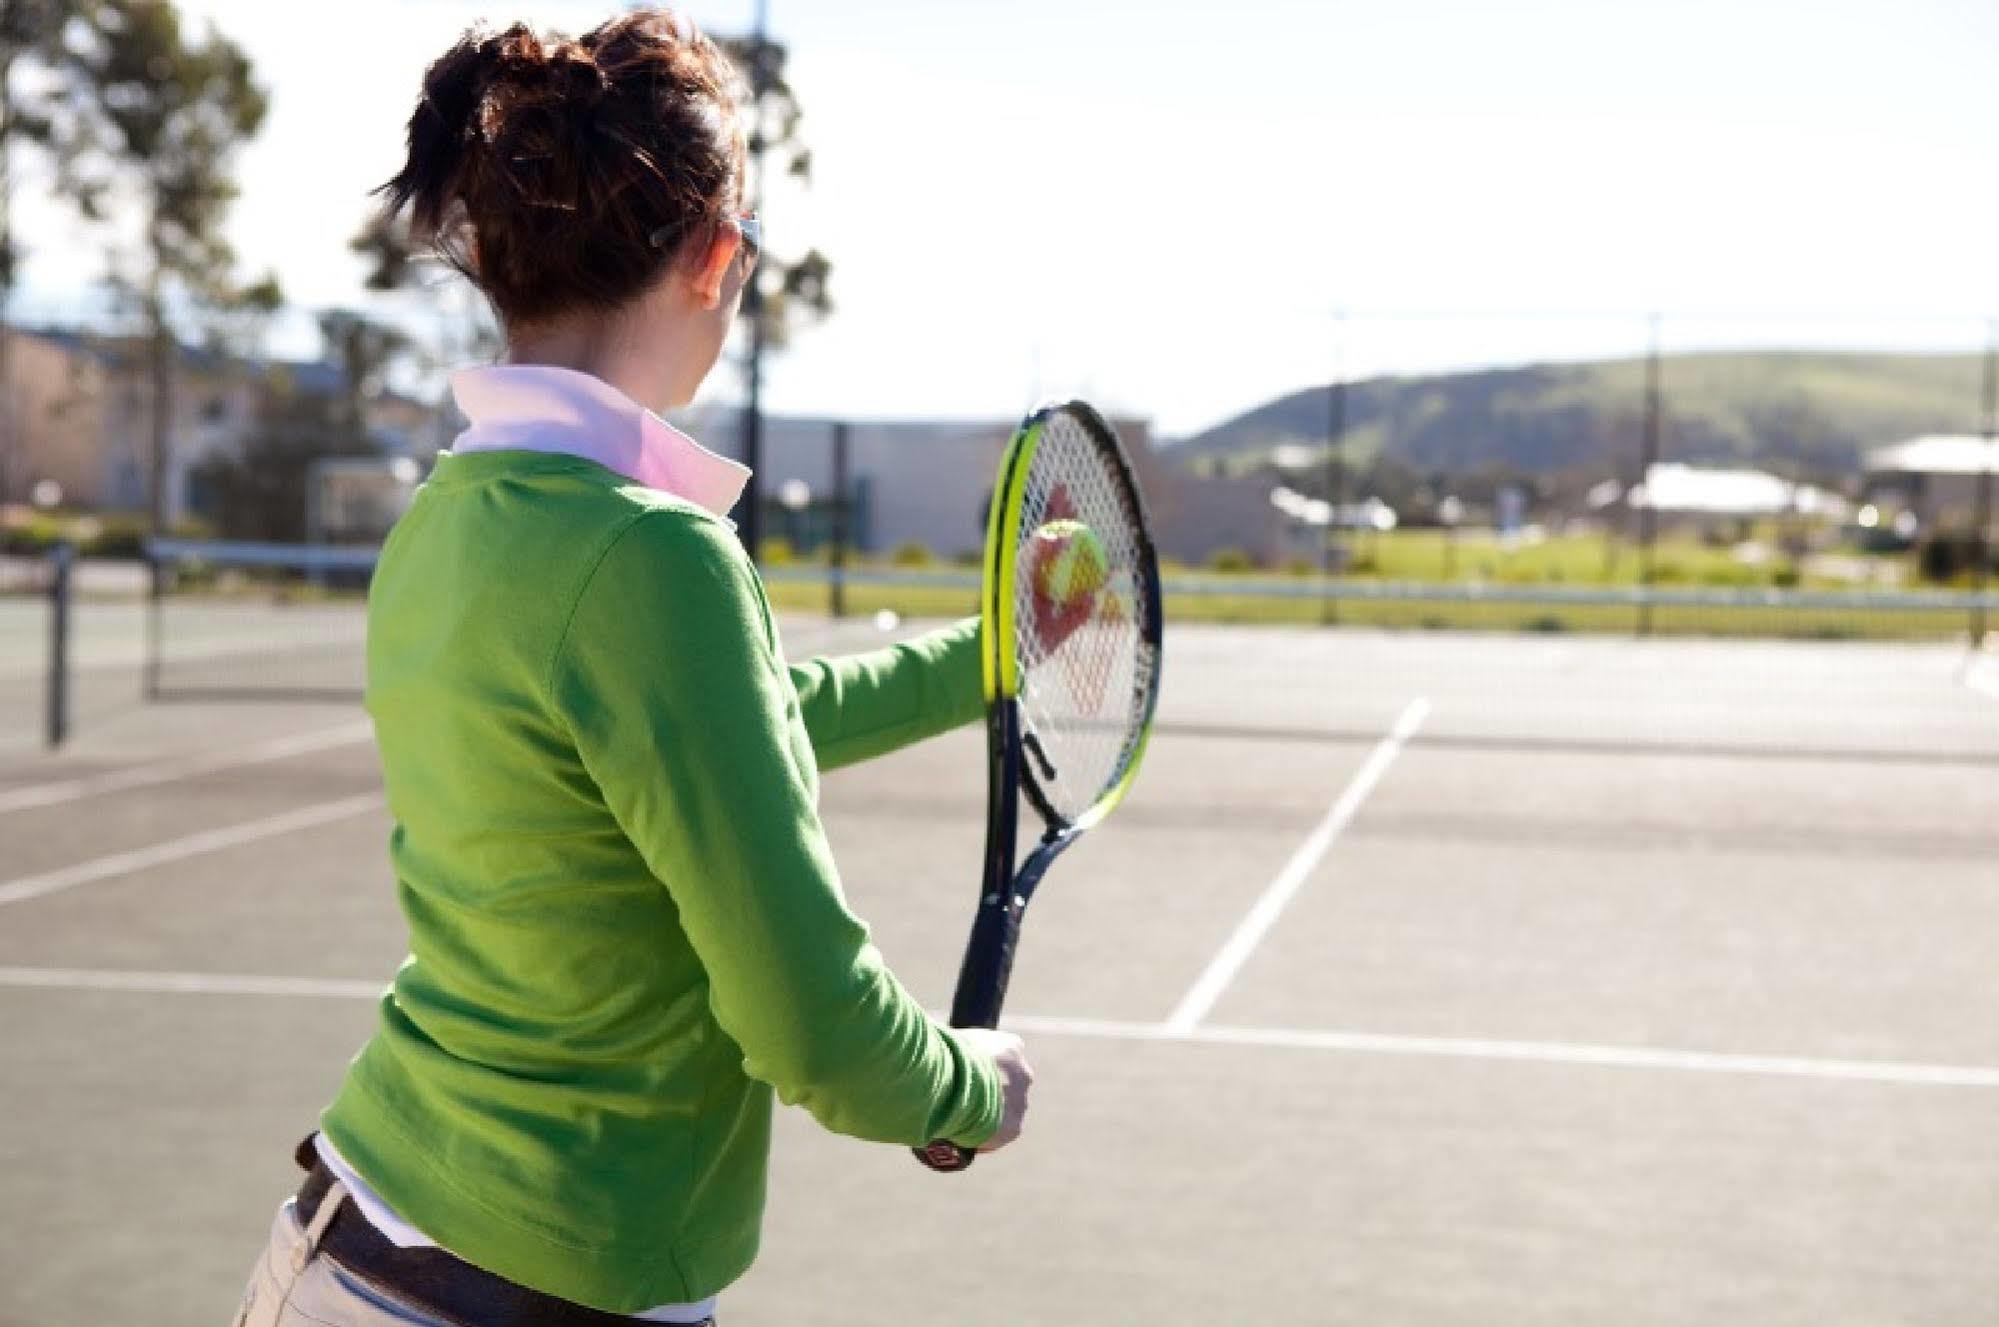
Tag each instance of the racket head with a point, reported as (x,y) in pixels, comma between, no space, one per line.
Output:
(1071,610)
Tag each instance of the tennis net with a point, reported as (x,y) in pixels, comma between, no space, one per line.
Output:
(1889,673)
(230,620)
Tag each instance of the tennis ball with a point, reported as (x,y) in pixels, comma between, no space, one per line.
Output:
(1068,562)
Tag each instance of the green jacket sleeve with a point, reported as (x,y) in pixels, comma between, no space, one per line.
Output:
(860,706)
(670,678)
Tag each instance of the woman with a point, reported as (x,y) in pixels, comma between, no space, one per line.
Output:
(625,925)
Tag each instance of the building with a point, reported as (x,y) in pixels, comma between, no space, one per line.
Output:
(75,412)
(912,482)
(1936,476)
(1196,517)
(1717,501)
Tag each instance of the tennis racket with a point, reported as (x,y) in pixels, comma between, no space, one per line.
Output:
(1070,617)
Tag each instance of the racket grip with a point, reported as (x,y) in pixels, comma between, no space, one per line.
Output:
(981,990)
(945,1156)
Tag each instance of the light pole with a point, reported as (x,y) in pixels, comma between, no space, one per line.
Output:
(837,560)
(753,300)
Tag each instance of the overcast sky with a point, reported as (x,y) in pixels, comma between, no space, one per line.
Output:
(1161,204)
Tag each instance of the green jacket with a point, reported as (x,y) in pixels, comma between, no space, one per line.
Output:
(626,928)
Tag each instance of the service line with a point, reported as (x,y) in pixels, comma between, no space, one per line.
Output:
(1221,970)
(182,767)
(1569,1053)
(193,845)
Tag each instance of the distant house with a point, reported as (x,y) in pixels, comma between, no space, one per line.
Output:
(1709,497)
(1198,516)
(1936,476)
(921,482)
(76,410)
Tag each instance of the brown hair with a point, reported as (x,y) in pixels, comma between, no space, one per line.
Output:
(562,174)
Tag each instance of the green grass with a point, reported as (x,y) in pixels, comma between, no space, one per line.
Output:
(1433,556)
(1553,618)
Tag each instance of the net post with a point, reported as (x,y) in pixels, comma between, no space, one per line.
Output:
(61,559)
(155,606)
(837,553)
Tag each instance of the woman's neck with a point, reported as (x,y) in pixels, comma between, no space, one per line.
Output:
(642,368)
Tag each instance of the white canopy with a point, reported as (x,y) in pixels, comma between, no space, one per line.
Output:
(1672,486)
(1935,454)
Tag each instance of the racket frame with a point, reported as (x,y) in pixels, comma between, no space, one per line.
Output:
(1006,888)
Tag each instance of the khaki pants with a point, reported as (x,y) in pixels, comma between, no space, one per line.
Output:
(293,1285)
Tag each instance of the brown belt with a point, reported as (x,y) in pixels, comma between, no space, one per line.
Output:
(431,1279)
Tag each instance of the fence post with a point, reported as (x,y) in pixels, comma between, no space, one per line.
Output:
(61,558)
(1648,515)
(1336,430)
(837,560)
(1988,456)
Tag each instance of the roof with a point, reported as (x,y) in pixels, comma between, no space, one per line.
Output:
(1672,486)
(125,352)
(1936,454)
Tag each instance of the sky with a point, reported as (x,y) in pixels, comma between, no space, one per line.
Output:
(1180,210)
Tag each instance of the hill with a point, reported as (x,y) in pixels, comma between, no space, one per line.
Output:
(1823,410)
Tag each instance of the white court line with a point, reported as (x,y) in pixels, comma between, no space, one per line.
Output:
(1982,676)
(1293,1039)
(1533,1052)
(186,767)
(193,845)
(190,983)
(1208,987)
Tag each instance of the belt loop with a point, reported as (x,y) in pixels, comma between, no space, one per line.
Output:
(336,1193)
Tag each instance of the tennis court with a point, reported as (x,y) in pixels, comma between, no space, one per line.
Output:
(1427,978)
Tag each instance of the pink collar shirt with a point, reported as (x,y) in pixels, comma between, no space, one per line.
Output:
(539,408)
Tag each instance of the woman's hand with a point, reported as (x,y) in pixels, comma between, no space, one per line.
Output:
(1010,1055)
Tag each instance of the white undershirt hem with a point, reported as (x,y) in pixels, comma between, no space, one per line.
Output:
(406,1236)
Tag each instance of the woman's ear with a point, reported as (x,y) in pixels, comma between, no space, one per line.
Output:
(713,269)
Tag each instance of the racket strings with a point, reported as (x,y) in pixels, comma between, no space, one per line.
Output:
(1085,665)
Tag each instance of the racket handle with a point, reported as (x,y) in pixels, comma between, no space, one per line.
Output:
(945,1156)
(981,991)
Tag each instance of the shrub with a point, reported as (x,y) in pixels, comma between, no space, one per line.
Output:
(31,537)
(118,535)
(1229,561)
(912,555)
(1733,577)
(1947,555)
(777,552)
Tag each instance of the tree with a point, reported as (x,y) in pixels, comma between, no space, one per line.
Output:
(365,350)
(788,292)
(40,36)
(397,264)
(176,110)
(780,294)
(261,493)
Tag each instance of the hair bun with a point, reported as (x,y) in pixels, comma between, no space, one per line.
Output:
(542,166)
(562,71)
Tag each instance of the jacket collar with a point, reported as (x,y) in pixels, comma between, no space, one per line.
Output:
(540,408)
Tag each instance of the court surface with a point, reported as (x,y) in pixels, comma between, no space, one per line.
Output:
(1425,979)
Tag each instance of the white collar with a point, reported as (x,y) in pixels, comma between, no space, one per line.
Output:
(540,408)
